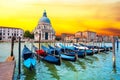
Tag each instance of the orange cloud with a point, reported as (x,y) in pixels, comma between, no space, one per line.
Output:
(111,31)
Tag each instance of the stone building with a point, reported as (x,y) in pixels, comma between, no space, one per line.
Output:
(78,34)
(104,38)
(68,37)
(89,35)
(6,33)
(44,30)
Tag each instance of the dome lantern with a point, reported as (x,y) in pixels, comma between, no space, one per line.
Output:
(44,13)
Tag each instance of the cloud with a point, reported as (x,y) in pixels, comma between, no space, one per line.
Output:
(114,31)
(116,11)
(109,11)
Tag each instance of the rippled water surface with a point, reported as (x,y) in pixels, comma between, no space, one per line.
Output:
(96,67)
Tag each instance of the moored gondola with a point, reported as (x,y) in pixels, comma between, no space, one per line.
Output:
(47,57)
(28,58)
(56,52)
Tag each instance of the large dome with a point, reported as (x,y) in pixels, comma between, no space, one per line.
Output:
(44,18)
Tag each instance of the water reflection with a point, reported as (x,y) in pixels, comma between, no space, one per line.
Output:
(52,69)
(95,58)
(69,65)
(29,74)
(114,64)
(114,70)
(89,60)
(82,64)
(103,55)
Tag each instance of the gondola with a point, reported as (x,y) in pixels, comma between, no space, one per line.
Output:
(84,49)
(71,50)
(28,58)
(47,57)
(57,51)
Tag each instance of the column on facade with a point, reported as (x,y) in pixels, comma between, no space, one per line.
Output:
(48,35)
(41,35)
(51,36)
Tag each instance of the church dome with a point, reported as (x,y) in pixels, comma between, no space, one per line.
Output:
(45,19)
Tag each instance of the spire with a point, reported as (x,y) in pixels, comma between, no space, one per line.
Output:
(44,13)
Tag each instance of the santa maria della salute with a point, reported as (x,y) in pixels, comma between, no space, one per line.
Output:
(44,29)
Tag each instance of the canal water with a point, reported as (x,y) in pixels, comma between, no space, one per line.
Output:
(96,67)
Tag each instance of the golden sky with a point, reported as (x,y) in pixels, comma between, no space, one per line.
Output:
(67,16)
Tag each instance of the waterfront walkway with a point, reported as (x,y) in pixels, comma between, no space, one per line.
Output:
(7,70)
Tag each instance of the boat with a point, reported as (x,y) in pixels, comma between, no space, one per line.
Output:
(97,49)
(47,57)
(84,49)
(71,50)
(80,47)
(57,51)
(28,58)
(38,51)
(106,48)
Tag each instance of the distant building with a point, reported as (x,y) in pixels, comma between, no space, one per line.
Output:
(85,36)
(44,29)
(68,37)
(104,38)
(6,33)
(89,35)
(63,35)
(78,34)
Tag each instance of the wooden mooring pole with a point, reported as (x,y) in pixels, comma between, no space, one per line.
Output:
(11,57)
(114,57)
(38,57)
(117,44)
(19,59)
(12,45)
(39,40)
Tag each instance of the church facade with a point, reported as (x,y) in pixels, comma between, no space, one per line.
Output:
(44,30)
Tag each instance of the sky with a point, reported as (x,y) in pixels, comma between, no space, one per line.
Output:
(66,16)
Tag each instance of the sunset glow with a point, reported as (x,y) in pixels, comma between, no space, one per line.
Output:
(67,16)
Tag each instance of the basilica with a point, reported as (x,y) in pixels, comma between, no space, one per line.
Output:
(44,30)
